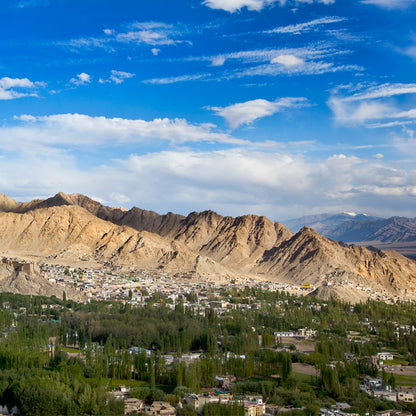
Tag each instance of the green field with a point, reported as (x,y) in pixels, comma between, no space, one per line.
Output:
(397,361)
(402,380)
(114,384)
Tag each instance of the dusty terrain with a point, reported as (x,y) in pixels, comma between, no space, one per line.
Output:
(74,228)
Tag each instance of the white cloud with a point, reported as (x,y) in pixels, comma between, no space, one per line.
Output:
(299,28)
(155,51)
(81,79)
(7,83)
(180,78)
(137,33)
(310,52)
(383,91)
(233,6)
(119,76)
(233,182)
(289,61)
(391,4)
(249,111)
(359,113)
(150,33)
(218,60)
(381,104)
(8,88)
(84,130)
(318,60)
(409,51)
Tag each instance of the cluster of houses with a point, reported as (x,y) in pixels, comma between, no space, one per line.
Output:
(374,387)
(114,282)
(253,405)
(342,409)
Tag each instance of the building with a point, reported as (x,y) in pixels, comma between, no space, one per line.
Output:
(405,397)
(192,400)
(384,356)
(132,405)
(161,409)
(256,408)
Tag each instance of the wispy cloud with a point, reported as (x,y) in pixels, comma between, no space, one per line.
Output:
(136,33)
(391,4)
(249,111)
(312,51)
(233,6)
(180,78)
(8,88)
(300,28)
(117,77)
(374,106)
(31,3)
(311,60)
(149,33)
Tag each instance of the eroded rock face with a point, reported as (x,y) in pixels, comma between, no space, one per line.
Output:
(27,280)
(75,226)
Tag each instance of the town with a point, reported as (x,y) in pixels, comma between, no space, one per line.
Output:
(171,345)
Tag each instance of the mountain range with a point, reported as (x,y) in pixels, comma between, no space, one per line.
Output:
(201,245)
(395,233)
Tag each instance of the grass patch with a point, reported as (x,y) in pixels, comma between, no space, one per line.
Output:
(397,361)
(114,383)
(306,378)
(402,380)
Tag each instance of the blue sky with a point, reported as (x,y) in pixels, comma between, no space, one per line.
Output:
(280,108)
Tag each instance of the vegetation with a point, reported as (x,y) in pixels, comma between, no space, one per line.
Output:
(112,344)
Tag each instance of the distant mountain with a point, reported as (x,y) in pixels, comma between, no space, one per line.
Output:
(203,245)
(397,233)
(324,223)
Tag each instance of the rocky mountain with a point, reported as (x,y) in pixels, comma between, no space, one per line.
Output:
(326,223)
(398,233)
(203,245)
(14,281)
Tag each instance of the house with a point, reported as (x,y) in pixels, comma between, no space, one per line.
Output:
(192,400)
(161,409)
(256,408)
(384,356)
(132,405)
(384,412)
(405,397)
(385,394)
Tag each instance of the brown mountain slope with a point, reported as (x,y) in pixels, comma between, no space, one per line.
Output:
(72,232)
(139,219)
(68,226)
(235,242)
(7,204)
(308,257)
